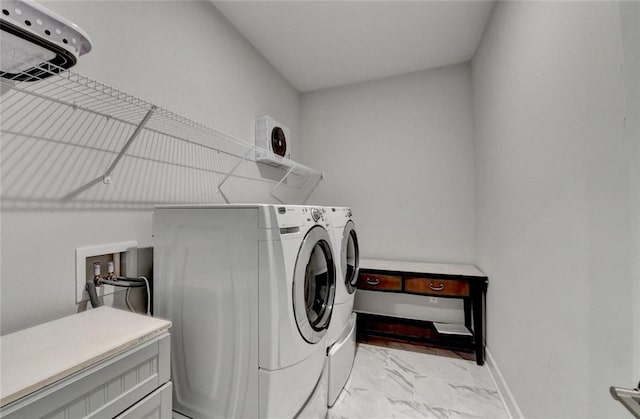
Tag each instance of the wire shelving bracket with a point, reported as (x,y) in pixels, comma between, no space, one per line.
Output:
(229,174)
(106,177)
(71,142)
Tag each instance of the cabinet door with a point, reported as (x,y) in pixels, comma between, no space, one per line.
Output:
(436,286)
(156,405)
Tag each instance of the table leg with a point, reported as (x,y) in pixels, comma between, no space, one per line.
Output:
(467,313)
(478,296)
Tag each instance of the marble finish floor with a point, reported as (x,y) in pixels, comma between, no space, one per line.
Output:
(406,381)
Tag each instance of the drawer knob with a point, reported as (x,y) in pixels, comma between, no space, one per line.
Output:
(372,281)
(433,287)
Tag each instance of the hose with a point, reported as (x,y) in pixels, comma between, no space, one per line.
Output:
(124,284)
(126,300)
(127,282)
(132,279)
(93,294)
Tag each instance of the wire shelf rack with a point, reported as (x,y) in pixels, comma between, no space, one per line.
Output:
(71,142)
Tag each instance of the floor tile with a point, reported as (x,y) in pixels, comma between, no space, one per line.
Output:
(399,380)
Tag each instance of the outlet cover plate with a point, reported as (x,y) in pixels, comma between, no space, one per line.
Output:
(82,253)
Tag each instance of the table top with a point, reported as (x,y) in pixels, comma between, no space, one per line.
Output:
(33,358)
(422,267)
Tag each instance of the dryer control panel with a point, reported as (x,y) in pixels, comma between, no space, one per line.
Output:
(339,216)
(316,214)
(299,215)
(290,216)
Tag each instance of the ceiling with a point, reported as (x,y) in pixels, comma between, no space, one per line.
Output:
(320,44)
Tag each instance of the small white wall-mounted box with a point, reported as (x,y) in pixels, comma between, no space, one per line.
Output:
(273,137)
(112,252)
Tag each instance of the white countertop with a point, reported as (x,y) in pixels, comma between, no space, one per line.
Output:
(33,358)
(421,267)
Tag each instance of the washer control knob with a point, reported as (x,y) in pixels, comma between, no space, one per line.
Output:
(316,214)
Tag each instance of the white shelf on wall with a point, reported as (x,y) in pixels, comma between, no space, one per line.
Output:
(72,142)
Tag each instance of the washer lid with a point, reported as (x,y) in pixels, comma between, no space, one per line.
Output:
(37,43)
(350,257)
(314,285)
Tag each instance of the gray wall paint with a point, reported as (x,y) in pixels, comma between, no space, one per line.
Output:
(399,151)
(553,204)
(554,212)
(630,20)
(180,55)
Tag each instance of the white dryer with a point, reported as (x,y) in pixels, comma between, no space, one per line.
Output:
(342,330)
(250,290)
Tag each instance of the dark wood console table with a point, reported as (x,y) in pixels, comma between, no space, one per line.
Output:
(465,282)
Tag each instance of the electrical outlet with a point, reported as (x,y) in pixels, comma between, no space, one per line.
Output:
(433,300)
(123,255)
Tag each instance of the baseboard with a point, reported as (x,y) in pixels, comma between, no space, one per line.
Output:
(503,388)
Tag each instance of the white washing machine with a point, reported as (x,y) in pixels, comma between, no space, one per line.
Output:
(250,290)
(341,338)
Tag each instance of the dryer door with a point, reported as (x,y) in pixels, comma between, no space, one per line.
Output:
(350,257)
(314,285)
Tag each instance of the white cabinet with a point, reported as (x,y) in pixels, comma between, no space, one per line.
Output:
(130,383)
(156,405)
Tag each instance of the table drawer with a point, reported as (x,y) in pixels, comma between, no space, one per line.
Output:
(436,286)
(367,281)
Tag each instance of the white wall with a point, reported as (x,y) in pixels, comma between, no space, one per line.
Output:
(399,151)
(183,56)
(553,204)
(630,20)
